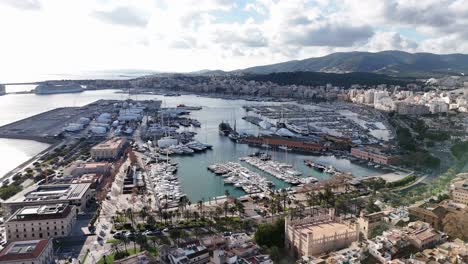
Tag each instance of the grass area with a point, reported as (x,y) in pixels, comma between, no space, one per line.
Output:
(110,258)
(85,257)
(112,241)
(131,251)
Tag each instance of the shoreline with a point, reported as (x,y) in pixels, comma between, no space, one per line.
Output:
(30,161)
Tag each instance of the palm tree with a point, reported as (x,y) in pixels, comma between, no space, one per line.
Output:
(226,208)
(124,239)
(200,208)
(144,213)
(153,239)
(218,211)
(284,196)
(239,207)
(165,199)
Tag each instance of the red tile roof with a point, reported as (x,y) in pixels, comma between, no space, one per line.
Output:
(36,252)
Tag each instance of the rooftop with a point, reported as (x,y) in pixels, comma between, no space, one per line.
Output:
(110,144)
(23,250)
(37,212)
(324,229)
(57,192)
(93,165)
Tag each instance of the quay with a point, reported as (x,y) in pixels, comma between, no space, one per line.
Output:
(282,171)
(241,177)
(165,185)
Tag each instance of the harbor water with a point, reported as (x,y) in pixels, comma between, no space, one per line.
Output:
(196,181)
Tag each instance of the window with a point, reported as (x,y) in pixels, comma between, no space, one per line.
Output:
(55,233)
(40,235)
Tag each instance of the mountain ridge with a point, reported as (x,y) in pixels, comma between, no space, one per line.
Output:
(390,62)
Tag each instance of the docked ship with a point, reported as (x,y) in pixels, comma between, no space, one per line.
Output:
(315,166)
(189,108)
(56,89)
(224,129)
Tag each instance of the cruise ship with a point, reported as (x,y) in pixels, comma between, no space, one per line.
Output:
(55,89)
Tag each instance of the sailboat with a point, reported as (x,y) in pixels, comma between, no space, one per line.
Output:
(234,135)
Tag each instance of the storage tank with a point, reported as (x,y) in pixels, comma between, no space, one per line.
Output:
(98,130)
(84,120)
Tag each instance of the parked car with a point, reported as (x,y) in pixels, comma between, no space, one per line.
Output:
(120,234)
(152,233)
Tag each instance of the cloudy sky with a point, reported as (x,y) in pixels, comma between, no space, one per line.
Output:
(61,36)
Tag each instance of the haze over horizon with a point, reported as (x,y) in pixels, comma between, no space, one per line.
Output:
(51,36)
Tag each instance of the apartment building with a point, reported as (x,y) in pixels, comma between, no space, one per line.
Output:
(40,222)
(459,192)
(193,253)
(80,168)
(30,252)
(374,155)
(108,150)
(368,222)
(73,194)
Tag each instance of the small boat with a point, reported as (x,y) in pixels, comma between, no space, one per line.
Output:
(185,107)
(285,148)
(316,166)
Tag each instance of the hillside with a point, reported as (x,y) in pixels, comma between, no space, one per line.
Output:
(321,78)
(395,63)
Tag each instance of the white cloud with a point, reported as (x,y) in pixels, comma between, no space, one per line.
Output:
(23,4)
(186,35)
(123,15)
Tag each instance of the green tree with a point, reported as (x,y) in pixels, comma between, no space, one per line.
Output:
(270,234)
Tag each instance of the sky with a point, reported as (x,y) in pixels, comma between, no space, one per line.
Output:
(64,36)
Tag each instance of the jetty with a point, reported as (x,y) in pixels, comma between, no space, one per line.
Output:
(241,177)
(279,170)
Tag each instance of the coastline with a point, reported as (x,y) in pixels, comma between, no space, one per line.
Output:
(28,162)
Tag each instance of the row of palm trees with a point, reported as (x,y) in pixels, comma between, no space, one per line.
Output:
(139,239)
(280,201)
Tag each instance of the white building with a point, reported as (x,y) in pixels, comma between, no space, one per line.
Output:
(40,222)
(190,254)
(73,194)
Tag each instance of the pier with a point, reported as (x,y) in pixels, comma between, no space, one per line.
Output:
(165,185)
(241,177)
(278,170)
